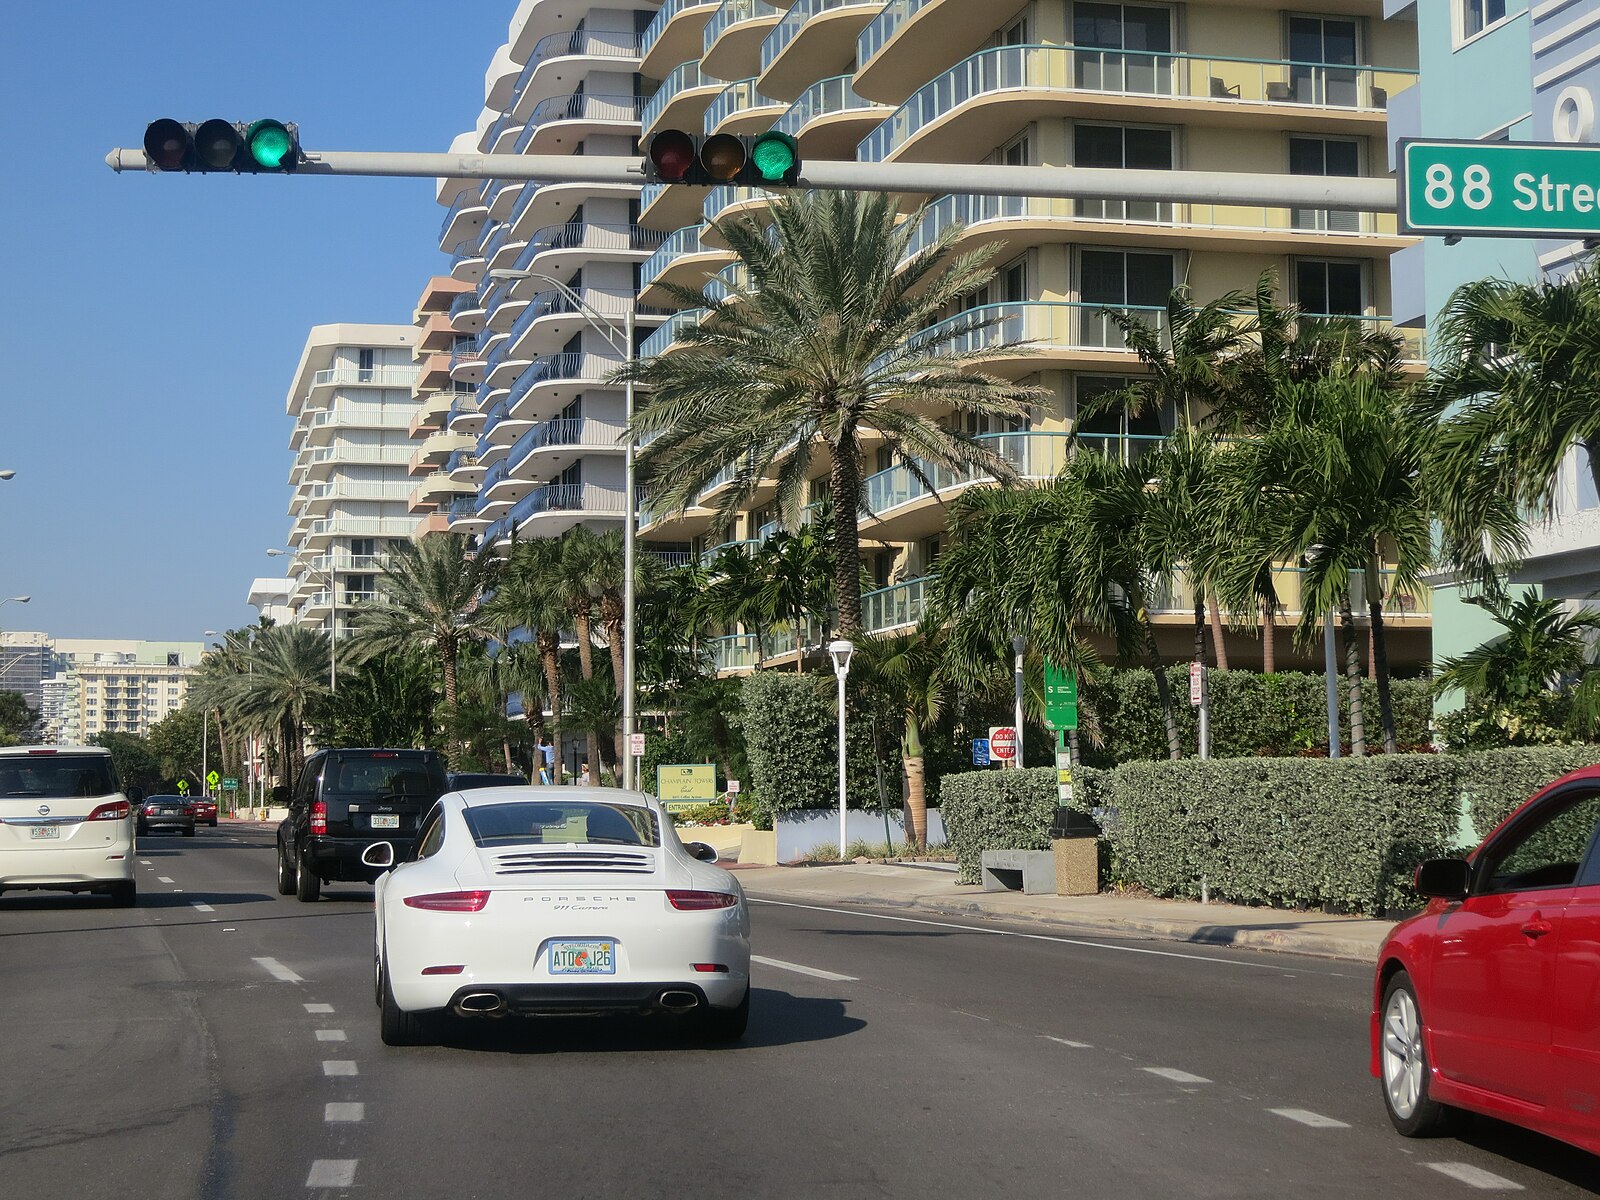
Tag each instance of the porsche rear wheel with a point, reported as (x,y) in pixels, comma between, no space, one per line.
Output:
(726,1024)
(400,1028)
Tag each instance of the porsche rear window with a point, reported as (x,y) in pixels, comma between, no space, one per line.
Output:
(56,776)
(550,822)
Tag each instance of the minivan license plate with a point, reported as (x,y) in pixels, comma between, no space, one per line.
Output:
(583,958)
(44,831)
(382,821)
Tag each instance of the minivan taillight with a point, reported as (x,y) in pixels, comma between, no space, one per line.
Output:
(449,901)
(319,818)
(696,901)
(114,811)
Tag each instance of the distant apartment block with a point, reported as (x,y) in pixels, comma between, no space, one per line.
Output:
(102,685)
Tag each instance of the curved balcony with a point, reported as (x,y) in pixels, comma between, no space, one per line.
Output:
(731,47)
(722,285)
(466,466)
(559,123)
(433,373)
(501,429)
(438,448)
(550,319)
(683,261)
(464,217)
(577,51)
(556,248)
(466,415)
(551,446)
(669,206)
(466,263)
(555,507)
(662,339)
(435,333)
(466,313)
(727,201)
(501,195)
(962,113)
(676,34)
(739,108)
(545,204)
(898,606)
(466,363)
(813,36)
(1040,334)
(903,507)
(502,135)
(680,102)
(830,119)
(549,383)
(464,516)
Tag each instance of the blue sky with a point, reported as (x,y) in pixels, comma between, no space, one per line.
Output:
(160,317)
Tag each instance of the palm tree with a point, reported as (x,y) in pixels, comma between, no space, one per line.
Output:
(432,596)
(284,691)
(836,332)
(1517,369)
(797,570)
(911,668)
(736,593)
(1543,642)
(530,594)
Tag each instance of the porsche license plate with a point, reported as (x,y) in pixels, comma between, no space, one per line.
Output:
(583,958)
(39,832)
(385,821)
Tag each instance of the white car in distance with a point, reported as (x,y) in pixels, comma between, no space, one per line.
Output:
(541,901)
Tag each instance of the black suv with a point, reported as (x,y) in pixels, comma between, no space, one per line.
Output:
(345,801)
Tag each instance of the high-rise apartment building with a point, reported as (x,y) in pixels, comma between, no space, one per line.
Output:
(353,406)
(26,661)
(98,685)
(436,487)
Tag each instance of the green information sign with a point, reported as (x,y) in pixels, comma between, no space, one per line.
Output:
(1060,697)
(1500,189)
(682,786)
(229,784)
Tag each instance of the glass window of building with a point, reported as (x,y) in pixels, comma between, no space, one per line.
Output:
(1122,147)
(1474,16)
(1123,47)
(1324,286)
(1324,156)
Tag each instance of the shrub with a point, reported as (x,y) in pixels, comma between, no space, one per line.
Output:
(791,735)
(1005,810)
(1497,781)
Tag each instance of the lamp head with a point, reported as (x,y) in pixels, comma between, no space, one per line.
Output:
(840,651)
(7,474)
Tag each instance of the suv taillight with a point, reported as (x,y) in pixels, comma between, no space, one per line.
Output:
(319,818)
(114,811)
(449,901)
(697,901)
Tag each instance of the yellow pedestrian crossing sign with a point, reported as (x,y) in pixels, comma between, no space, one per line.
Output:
(183,787)
(212,779)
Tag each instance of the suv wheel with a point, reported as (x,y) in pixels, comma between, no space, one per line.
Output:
(307,887)
(285,874)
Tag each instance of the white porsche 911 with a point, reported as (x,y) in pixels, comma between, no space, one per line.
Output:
(540,901)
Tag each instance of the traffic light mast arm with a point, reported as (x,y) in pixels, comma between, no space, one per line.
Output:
(1087,183)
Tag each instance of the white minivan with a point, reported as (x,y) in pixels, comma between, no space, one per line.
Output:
(64,823)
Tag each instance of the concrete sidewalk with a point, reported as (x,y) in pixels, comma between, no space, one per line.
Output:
(931,890)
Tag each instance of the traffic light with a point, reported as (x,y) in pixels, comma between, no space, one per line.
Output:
(768,159)
(253,147)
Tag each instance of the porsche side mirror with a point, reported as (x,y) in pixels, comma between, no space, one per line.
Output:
(700,850)
(1446,878)
(379,854)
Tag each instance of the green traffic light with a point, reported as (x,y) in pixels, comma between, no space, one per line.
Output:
(774,156)
(270,144)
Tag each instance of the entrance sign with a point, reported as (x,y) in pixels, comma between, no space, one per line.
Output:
(1500,189)
(686,785)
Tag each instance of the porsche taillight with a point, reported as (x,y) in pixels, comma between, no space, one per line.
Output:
(319,818)
(699,901)
(116,810)
(449,901)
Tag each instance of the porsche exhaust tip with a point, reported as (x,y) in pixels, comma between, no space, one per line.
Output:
(678,1001)
(481,1004)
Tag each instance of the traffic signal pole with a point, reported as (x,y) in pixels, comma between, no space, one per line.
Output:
(1087,183)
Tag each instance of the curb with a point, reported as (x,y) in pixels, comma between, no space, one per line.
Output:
(1285,941)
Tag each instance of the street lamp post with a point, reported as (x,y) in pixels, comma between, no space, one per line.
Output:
(332,581)
(840,651)
(1018,645)
(205,739)
(1330,664)
(609,331)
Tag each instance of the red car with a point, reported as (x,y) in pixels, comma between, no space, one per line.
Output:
(205,812)
(1489,999)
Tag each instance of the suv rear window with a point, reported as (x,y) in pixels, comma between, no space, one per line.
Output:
(56,776)
(368,778)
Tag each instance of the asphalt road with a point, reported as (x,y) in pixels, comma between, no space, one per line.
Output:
(218,1041)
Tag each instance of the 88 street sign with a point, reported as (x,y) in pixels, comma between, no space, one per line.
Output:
(1500,189)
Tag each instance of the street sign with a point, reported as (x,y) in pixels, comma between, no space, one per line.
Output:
(980,752)
(1500,189)
(683,786)
(183,787)
(1060,697)
(1003,743)
(230,784)
(733,787)
(212,779)
(636,744)
(1197,683)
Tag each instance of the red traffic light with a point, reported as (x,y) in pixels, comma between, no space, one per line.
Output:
(166,144)
(672,155)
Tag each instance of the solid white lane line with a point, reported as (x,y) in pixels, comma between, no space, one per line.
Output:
(277,970)
(1032,937)
(330,1035)
(1307,1117)
(1176,1075)
(202,907)
(1067,1042)
(1474,1177)
(339,1066)
(344,1112)
(814,972)
(162,879)
(332,1173)
(319,1008)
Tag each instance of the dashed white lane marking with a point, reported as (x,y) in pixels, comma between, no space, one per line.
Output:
(1307,1117)
(1037,937)
(1474,1177)
(1176,1075)
(277,970)
(814,972)
(332,1173)
(162,879)
(339,1066)
(144,862)
(203,907)
(319,1008)
(344,1112)
(330,1035)
(1067,1042)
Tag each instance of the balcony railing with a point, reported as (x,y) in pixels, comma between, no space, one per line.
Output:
(1175,596)
(674,245)
(568,497)
(465,302)
(341,453)
(663,337)
(785,30)
(671,558)
(580,106)
(587,43)
(385,376)
(580,431)
(468,197)
(820,99)
(580,235)
(362,417)
(882,27)
(555,367)
(731,101)
(736,12)
(725,195)
(667,13)
(897,606)
(743,545)
(1069,69)
(363,526)
(680,79)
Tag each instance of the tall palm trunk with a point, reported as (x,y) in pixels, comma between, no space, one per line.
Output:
(585,627)
(916,786)
(1352,673)
(1201,740)
(1380,657)
(1219,650)
(447,662)
(844,481)
(550,659)
(1269,638)
(1158,667)
(800,646)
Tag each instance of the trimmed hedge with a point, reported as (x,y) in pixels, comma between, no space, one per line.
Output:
(1286,832)
(790,726)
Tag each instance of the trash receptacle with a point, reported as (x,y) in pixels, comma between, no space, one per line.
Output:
(1075,839)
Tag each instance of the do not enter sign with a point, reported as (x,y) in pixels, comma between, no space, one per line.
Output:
(1003,743)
